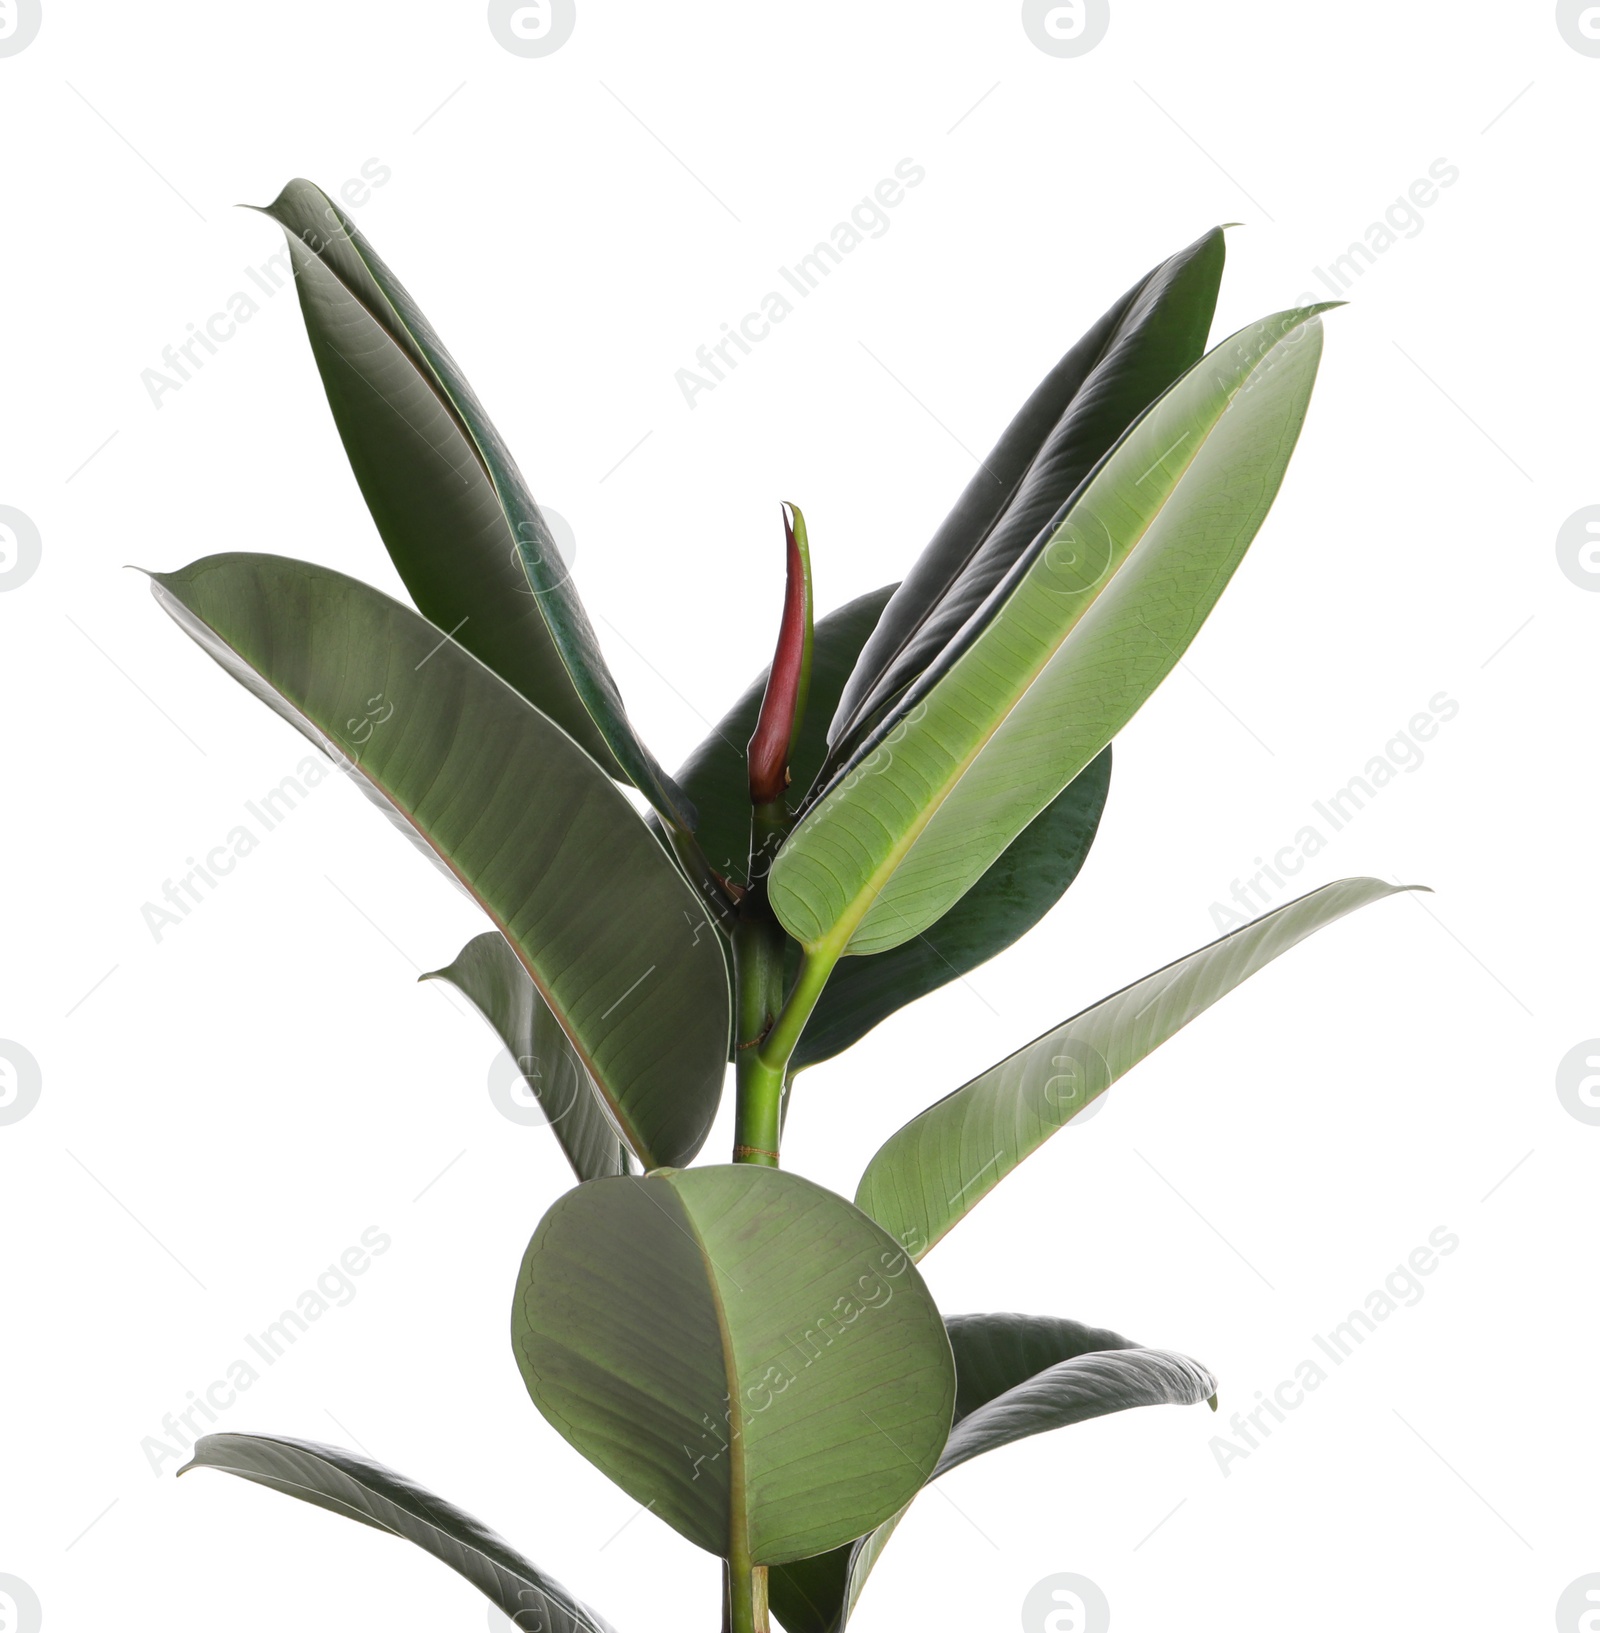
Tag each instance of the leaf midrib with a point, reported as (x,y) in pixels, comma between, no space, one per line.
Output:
(738,1477)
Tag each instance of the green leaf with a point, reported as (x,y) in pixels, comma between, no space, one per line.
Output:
(487,973)
(1136,350)
(1031,876)
(462,528)
(716,777)
(741,1351)
(1016,1376)
(362,1490)
(995,1353)
(1075,1390)
(599,917)
(1089,622)
(819,1595)
(932,1172)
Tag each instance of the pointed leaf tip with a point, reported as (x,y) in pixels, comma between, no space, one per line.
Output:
(784,703)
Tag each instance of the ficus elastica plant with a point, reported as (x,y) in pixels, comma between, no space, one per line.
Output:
(912,784)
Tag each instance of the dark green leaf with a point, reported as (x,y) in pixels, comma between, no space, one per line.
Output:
(1016,1376)
(464,531)
(1136,350)
(601,920)
(1073,1391)
(362,1490)
(488,973)
(997,1352)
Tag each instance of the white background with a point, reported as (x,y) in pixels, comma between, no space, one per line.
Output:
(223,1112)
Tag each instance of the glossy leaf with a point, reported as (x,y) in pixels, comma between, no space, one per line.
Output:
(1089,622)
(819,1595)
(996,1352)
(1030,877)
(489,975)
(1016,1376)
(464,532)
(741,1351)
(510,805)
(1136,350)
(715,777)
(931,1173)
(1073,1391)
(362,1490)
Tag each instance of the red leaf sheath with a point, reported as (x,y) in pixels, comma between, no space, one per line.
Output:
(770,744)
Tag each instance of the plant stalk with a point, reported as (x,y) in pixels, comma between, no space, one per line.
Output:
(758,944)
(745,1607)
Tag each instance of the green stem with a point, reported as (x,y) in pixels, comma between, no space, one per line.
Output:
(747,1599)
(784,1035)
(758,971)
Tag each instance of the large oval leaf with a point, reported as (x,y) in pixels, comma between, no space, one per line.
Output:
(489,975)
(739,1349)
(1016,1376)
(931,1173)
(1136,350)
(1031,876)
(362,1490)
(459,522)
(1091,619)
(601,920)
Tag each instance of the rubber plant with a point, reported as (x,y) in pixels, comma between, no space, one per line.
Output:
(912,784)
